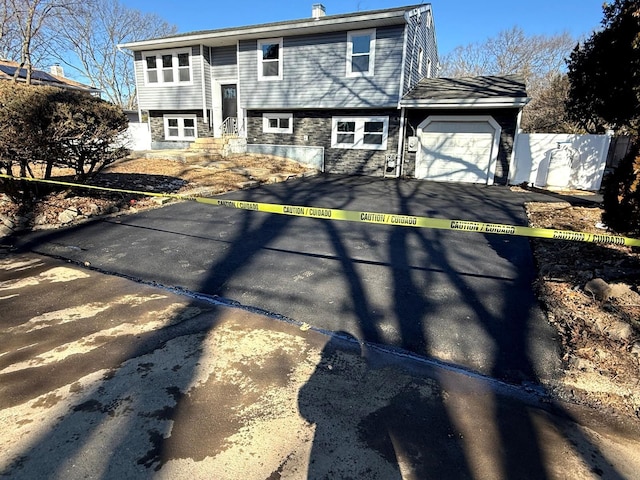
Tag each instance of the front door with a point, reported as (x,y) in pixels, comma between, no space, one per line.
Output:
(229,101)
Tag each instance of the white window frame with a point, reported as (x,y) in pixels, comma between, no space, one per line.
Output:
(358,143)
(270,41)
(372,50)
(181,136)
(267,117)
(175,67)
(420,61)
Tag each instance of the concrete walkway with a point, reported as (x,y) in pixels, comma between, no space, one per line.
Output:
(103,378)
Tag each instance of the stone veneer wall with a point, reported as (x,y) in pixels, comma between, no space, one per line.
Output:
(313,128)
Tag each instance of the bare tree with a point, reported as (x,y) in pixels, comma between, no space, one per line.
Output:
(9,39)
(537,58)
(87,44)
(26,23)
(546,112)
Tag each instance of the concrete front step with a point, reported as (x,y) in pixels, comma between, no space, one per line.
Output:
(219,146)
(206,141)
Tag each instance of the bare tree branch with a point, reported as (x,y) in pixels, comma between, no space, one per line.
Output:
(87,45)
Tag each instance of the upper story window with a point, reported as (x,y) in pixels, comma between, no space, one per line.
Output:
(420,61)
(363,133)
(360,53)
(167,68)
(270,59)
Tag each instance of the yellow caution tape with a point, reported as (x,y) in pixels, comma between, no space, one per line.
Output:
(371,217)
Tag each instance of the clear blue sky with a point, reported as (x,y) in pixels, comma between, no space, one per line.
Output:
(458,22)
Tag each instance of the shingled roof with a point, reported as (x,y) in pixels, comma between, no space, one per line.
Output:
(507,91)
(39,77)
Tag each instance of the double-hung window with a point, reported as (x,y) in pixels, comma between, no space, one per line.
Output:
(167,68)
(363,133)
(277,123)
(361,46)
(180,127)
(152,69)
(270,59)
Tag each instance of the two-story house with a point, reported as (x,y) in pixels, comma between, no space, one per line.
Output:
(354,84)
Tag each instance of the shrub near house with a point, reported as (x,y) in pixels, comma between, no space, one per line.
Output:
(50,127)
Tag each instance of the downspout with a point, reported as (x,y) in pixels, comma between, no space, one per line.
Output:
(403,126)
(213,84)
(242,126)
(205,117)
(512,160)
(400,155)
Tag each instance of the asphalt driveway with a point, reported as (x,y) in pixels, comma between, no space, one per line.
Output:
(463,298)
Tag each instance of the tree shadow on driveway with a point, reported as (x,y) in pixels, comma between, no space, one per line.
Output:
(420,428)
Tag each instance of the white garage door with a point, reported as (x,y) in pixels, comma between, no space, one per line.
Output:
(455,151)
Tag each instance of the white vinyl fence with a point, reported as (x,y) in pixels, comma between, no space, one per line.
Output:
(560,160)
(137,136)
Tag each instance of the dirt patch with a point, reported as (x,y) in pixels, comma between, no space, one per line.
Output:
(61,206)
(590,294)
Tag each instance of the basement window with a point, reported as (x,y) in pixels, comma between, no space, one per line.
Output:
(277,123)
(361,133)
(180,127)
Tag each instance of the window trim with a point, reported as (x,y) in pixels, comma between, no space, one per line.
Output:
(358,143)
(270,116)
(269,41)
(181,137)
(175,67)
(372,50)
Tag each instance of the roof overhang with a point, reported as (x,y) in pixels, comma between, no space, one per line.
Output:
(464,103)
(230,36)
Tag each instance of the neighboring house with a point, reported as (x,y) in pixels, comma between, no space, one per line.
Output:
(355,84)
(55,78)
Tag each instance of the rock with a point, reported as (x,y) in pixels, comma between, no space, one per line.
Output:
(68,216)
(620,331)
(600,289)
(94,209)
(635,349)
(7,221)
(4,230)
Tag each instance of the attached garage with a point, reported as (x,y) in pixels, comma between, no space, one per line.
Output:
(462,129)
(457,149)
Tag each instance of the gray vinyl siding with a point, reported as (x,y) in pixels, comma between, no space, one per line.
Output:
(420,35)
(224,62)
(173,97)
(314,74)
